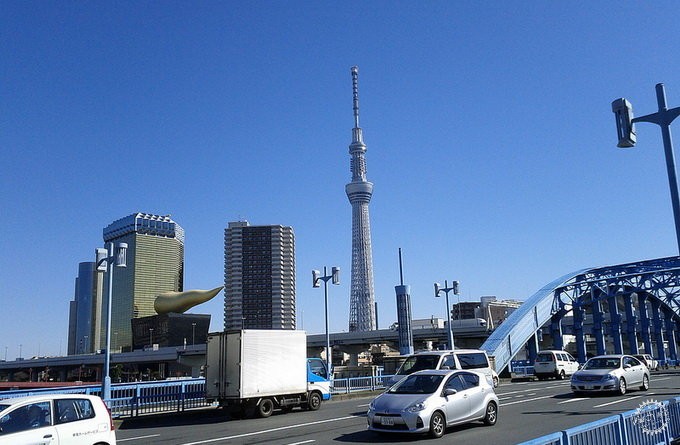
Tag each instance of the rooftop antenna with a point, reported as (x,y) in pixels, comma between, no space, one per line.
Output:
(401,272)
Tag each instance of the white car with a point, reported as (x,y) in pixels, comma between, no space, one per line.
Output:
(430,401)
(558,364)
(56,419)
(648,360)
(610,373)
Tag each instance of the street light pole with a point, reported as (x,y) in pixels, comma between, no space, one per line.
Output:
(446,289)
(316,277)
(663,118)
(106,261)
(193,333)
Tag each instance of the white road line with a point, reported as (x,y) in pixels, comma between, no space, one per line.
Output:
(525,400)
(273,430)
(137,438)
(304,441)
(615,401)
(363,406)
(572,400)
(662,378)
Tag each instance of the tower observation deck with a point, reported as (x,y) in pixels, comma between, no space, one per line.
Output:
(359,191)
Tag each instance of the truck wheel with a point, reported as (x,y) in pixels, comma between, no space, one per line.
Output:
(265,408)
(314,402)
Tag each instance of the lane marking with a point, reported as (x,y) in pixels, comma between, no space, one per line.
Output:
(572,400)
(137,438)
(526,400)
(304,441)
(273,430)
(615,401)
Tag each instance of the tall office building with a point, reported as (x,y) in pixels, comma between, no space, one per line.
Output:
(85,312)
(259,277)
(362,315)
(155,264)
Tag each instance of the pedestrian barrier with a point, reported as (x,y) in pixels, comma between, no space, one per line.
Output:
(653,423)
(139,398)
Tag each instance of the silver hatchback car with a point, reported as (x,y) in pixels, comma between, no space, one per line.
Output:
(430,401)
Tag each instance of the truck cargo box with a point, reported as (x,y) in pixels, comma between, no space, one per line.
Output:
(255,363)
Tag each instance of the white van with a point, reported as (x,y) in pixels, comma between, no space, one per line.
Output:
(558,364)
(471,359)
(57,419)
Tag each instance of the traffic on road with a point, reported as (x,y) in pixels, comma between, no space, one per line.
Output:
(526,410)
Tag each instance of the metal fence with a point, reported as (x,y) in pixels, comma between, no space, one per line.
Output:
(654,423)
(134,399)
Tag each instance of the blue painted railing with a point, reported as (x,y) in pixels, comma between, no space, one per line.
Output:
(653,424)
(133,399)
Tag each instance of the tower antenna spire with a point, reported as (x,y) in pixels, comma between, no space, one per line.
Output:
(355,95)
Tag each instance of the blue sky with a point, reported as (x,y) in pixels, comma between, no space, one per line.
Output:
(490,136)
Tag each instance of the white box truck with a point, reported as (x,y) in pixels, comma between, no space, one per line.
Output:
(253,372)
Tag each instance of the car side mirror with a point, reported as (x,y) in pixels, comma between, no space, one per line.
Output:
(449,392)
(627,366)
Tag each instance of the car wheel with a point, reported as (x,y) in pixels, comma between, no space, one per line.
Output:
(561,375)
(491,414)
(622,386)
(645,383)
(314,402)
(437,425)
(265,408)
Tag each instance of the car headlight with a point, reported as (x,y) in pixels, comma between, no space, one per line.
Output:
(371,406)
(416,407)
(610,377)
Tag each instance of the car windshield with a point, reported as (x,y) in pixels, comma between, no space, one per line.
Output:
(418,363)
(417,384)
(602,363)
(4,407)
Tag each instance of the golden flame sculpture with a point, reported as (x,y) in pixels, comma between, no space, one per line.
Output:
(180,302)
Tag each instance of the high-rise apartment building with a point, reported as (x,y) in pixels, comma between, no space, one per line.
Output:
(155,264)
(259,277)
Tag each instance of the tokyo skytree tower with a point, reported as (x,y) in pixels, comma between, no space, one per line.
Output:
(359,191)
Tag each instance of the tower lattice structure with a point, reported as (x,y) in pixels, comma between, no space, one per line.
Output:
(362,315)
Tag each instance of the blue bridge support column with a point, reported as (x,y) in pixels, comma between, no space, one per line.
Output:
(615,323)
(578,333)
(556,332)
(631,324)
(532,348)
(598,327)
(658,330)
(644,323)
(670,335)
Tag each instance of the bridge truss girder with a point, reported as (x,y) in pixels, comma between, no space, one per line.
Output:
(633,301)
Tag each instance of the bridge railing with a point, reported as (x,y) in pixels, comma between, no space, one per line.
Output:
(655,423)
(134,399)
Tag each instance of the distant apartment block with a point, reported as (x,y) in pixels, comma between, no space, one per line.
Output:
(259,277)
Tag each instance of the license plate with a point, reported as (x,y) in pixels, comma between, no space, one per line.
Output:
(589,386)
(387,421)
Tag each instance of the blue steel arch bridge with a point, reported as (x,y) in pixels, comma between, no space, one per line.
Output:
(629,307)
